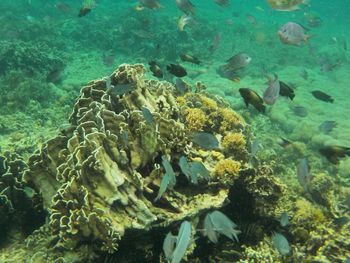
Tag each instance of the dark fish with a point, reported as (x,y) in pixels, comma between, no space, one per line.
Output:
(222,2)
(177,70)
(151,4)
(156,70)
(281,244)
(226,72)
(341,221)
(205,140)
(181,86)
(147,115)
(189,58)
(55,76)
(333,152)
(84,11)
(251,97)
(185,6)
(320,95)
(299,111)
(286,91)
(327,126)
(303,172)
(121,89)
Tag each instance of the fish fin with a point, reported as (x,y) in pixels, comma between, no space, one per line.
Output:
(236,79)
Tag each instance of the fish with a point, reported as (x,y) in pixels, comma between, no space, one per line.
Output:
(334,152)
(185,20)
(271,94)
(283,142)
(189,58)
(293,33)
(151,4)
(55,75)
(198,170)
(63,7)
(304,74)
(284,219)
(223,3)
(108,59)
(215,43)
(286,5)
(286,91)
(281,244)
(254,148)
(327,126)
(313,19)
(320,95)
(176,70)
(186,6)
(251,97)
(121,89)
(84,11)
(147,115)
(303,173)
(181,86)
(300,111)
(205,140)
(341,221)
(155,69)
(238,61)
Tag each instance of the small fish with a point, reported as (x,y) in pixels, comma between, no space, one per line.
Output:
(156,70)
(184,21)
(189,58)
(286,5)
(84,11)
(125,138)
(327,126)
(293,34)
(148,115)
(284,219)
(238,61)
(63,7)
(313,19)
(299,111)
(320,95)
(286,91)
(281,244)
(151,4)
(304,74)
(121,89)
(215,43)
(181,86)
(272,92)
(177,70)
(198,170)
(55,75)
(205,140)
(223,3)
(341,221)
(108,59)
(254,148)
(283,142)
(303,173)
(251,97)
(333,153)
(185,6)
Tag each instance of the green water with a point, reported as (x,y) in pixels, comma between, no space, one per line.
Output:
(47,53)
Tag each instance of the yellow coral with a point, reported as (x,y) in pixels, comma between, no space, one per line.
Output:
(233,142)
(226,170)
(209,104)
(230,120)
(308,213)
(181,101)
(195,119)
